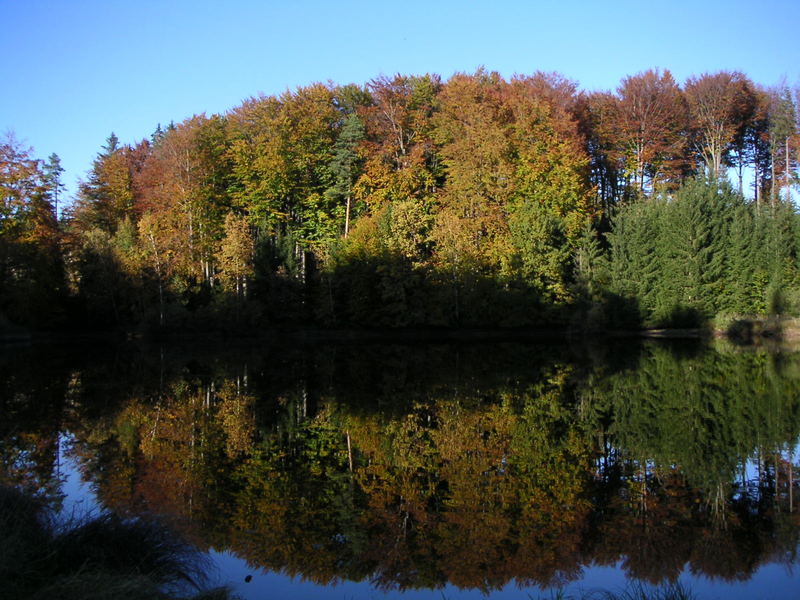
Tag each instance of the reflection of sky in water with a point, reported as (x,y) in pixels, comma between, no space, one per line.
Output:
(775,582)
(79,498)
(770,582)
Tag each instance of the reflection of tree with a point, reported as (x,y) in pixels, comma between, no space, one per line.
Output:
(30,412)
(553,454)
(705,413)
(296,509)
(467,473)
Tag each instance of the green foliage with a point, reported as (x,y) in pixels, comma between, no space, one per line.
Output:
(703,252)
(633,258)
(345,165)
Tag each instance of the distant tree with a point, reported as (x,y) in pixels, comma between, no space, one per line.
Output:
(472,132)
(351,98)
(162,242)
(550,206)
(401,160)
(187,174)
(281,151)
(260,169)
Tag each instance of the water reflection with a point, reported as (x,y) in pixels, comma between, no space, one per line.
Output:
(423,466)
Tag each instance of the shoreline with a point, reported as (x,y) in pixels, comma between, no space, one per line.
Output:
(746,331)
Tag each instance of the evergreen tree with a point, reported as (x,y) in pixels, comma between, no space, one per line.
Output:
(693,245)
(742,286)
(633,257)
(52,177)
(345,165)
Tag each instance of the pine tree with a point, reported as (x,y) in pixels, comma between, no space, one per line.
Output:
(741,278)
(693,245)
(52,177)
(345,165)
(633,258)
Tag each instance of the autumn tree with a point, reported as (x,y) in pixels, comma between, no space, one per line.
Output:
(31,265)
(550,207)
(235,256)
(596,113)
(162,248)
(260,173)
(651,123)
(402,162)
(106,197)
(515,199)
(281,152)
(720,106)
(472,131)
(185,175)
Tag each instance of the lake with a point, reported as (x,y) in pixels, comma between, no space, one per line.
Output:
(430,470)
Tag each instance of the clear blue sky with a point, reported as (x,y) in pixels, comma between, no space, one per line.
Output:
(72,71)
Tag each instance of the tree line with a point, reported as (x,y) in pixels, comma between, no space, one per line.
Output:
(413,201)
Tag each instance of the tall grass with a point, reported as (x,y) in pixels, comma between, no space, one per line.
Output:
(634,591)
(637,591)
(100,558)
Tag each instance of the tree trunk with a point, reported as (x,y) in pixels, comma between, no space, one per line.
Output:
(347,217)
(349,452)
(772,181)
(160,284)
(786,171)
(791,481)
(757,184)
(741,182)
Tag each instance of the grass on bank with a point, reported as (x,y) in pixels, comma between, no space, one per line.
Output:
(100,558)
(633,591)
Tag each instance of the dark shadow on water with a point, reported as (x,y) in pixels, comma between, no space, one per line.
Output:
(746,332)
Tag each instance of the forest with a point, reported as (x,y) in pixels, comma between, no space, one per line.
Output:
(411,201)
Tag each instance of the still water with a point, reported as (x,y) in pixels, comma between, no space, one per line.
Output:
(430,470)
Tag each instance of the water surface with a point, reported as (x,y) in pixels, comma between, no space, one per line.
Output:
(430,470)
